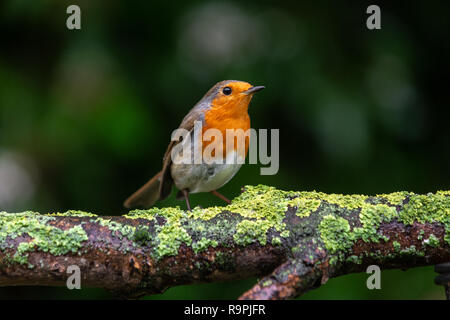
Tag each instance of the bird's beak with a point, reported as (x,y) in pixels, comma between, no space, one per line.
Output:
(253,90)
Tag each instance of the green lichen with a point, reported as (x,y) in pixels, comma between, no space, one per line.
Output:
(262,203)
(411,251)
(432,241)
(171,234)
(403,206)
(349,202)
(304,206)
(203,244)
(395,198)
(346,201)
(249,231)
(371,217)
(284,234)
(354,259)
(276,241)
(397,246)
(141,214)
(168,213)
(21,254)
(428,208)
(170,237)
(42,236)
(335,233)
(118,229)
(260,208)
(73,213)
(209,213)
(219,230)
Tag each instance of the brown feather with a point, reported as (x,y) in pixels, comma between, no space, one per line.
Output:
(146,196)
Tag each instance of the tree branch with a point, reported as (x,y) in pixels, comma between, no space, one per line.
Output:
(295,240)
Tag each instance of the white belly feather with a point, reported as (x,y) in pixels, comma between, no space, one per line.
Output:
(205,177)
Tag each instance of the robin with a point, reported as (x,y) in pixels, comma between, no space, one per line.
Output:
(224,106)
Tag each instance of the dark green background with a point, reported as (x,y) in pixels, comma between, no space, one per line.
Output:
(85,116)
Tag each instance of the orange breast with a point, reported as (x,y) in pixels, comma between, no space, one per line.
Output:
(232,115)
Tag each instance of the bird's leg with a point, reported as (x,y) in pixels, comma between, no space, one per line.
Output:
(221,196)
(186,197)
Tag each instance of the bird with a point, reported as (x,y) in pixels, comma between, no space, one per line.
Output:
(224,106)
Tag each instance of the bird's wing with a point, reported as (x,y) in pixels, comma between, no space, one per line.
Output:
(196,114)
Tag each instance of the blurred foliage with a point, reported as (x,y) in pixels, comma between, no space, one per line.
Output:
(85,116)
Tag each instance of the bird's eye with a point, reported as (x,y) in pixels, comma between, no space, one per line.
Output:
(226,91)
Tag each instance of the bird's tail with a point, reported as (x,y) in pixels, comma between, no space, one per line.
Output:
(146,196)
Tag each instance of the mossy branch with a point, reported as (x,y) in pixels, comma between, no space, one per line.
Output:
(295,241)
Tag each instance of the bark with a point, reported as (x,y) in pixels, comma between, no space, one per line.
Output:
(295,241)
